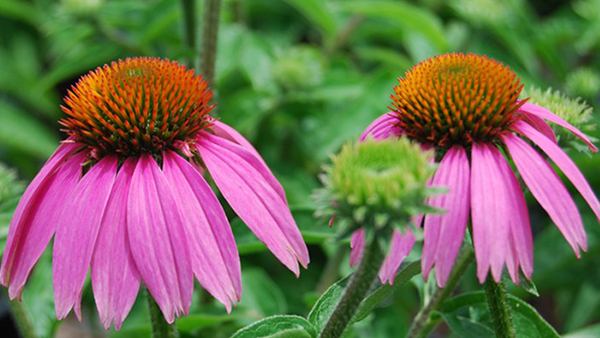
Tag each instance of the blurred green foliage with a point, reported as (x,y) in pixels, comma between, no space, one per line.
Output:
(298,78)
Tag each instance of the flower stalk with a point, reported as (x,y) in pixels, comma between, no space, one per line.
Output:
(188,8)
(495,293)
(210,31)
(423,323)
(357,289)
(160,327)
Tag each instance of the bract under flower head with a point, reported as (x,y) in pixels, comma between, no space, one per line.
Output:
(457,99)
(137,105)
(379,178)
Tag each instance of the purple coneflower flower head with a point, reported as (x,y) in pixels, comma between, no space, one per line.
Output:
(467,108)
(124,196)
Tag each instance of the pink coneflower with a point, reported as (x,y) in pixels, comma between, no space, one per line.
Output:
(126,197)
(467,108)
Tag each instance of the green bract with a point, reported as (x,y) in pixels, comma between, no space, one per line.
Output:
(378,182)
(575,111)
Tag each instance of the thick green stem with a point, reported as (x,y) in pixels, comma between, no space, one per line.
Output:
(499,309)
(160,328)
(423,324)
(22,319)
(188,8)
(210,30)
(357,289)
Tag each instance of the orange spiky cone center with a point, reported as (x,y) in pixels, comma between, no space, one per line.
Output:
(457,99)
(137,105)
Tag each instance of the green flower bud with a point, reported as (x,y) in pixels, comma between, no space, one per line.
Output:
(575,111)
(298,68)
(377,183)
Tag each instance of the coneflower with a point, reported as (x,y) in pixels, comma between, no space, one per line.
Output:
(466,107)
(125,196)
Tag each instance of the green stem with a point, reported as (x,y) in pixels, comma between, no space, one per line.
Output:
(22,319)
(210,30)
(499,309)
(160,328)
(357,289)
(423,323)
(188,8)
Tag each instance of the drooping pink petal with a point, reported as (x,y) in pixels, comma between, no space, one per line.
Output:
(357,244)
(444,233)
(214,256)
(382,128)
(115,278)
(229,138)
(521,240)
(540,125)
(157,239)
(34,220)
(544,113)
(548,189)
(399,249)
(35,223)
(254,199)
(489,207)
(565,164)
(76,234)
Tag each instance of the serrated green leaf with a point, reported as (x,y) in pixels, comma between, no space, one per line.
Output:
(275,326)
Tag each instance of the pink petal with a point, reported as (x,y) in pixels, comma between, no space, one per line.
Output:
(521,248)
(382,128)
(540,125)
(230,139)
(550,192)
(357,244)
(115,278)
(444,233)
(544,113)
(254,199)
(214,256)
(565,164)
(158,239)
(76,234)
(489,207)
(35,218)
(400,248)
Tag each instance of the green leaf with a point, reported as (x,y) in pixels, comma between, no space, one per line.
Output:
(278,327)
(413,18)
(526,317)
(22,133)
(588,332)
(324,307)
(262,294)
(195,322)
(316,12)
(466,327)
(527,285)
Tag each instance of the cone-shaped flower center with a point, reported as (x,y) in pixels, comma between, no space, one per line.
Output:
(136,105)
(457,99)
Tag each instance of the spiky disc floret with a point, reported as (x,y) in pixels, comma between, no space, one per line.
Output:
(457,99)
(136,105)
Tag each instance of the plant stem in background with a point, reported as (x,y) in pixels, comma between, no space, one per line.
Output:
(22,319)
(332,269)
(357,289)
(499,309)
(210,30)
(160,328)
(188,8)
(423,324)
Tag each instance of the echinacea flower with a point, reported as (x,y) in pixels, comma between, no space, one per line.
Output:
(466,107)
(125,197)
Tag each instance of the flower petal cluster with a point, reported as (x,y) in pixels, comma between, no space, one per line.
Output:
(475,164)
(125,196)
